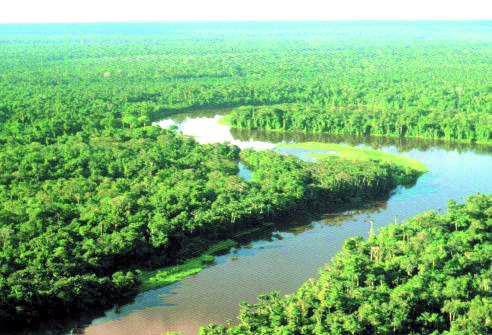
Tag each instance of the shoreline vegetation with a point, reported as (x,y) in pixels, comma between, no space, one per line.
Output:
(320,151)
(403,145)
(431,273)
(170,274)
(455,127)
(280,186)
(167,275)
(156,278)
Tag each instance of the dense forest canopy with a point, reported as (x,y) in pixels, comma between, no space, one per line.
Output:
(430,275)
(90,191)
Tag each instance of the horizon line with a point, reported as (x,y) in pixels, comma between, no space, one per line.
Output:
(306,20)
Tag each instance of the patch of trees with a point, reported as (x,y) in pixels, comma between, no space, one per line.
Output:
(360,121)
(429,275)
(78,216)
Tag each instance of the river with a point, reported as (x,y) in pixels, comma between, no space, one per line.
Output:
(295,251)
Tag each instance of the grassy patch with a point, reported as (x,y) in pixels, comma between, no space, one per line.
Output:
(355,153)
(171,274)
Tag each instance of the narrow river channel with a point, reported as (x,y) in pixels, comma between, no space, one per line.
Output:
(295,251)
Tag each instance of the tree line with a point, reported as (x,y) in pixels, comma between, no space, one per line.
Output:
(64,83)
(361,121)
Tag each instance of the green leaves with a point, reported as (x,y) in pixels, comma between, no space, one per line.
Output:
(361,120)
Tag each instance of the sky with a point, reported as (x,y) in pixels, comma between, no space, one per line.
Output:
(29,11)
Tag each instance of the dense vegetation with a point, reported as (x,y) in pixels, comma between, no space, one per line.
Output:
(407,121)
(429,275)
(90,191)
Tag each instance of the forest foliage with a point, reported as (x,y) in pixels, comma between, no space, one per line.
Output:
(431,274)
(407,121)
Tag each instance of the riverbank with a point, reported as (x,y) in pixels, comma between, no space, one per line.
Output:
(411,169)
(450,126)
(410,278)
(167,275)
(328,190)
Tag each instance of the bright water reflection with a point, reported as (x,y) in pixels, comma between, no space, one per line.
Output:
(208,130)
